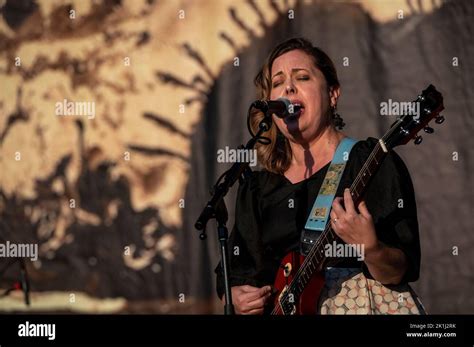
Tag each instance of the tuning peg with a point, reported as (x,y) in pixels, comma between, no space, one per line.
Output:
(439,119)
(428,130)
(427,110)
(421,97)
(418,139)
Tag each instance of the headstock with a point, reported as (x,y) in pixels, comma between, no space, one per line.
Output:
(428,105)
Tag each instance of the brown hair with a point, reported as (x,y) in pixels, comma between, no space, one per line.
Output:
(276,156)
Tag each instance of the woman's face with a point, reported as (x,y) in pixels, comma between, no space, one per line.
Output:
(295,78)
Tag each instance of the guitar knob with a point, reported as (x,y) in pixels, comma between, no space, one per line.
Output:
(428,130)
(418,139)
(287,269)
(439,119)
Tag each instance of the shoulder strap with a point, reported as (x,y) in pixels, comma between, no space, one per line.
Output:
(319,215)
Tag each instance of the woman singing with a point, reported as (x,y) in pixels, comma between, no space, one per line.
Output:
(273,204)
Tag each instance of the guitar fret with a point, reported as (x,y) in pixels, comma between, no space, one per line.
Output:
(329,237)
(320,254)
(300,286)
(307,277)
(360,186)
(321,251)
(373,166)
(380,154)
(308,274)
(355,194)
(311,265)
(325,237)
(356,191)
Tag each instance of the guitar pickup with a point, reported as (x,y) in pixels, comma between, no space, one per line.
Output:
(307,240)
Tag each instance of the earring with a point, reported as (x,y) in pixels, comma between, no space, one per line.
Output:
(337,119)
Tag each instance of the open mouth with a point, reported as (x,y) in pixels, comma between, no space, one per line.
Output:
(296,109)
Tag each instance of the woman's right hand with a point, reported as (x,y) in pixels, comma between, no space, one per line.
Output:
(250,300)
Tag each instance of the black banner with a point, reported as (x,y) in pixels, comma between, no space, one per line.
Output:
(174,329)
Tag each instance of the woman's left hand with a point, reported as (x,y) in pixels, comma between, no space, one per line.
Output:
(353,227)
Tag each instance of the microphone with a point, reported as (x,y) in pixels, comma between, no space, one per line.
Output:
(281,107)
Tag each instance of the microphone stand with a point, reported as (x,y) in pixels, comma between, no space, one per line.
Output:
(23,284)
(216,208)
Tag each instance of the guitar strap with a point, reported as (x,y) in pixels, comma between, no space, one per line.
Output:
(318,218)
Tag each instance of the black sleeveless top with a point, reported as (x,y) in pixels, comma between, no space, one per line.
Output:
(271,212)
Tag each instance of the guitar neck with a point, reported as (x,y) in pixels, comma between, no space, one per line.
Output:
(316,258)
(367,171)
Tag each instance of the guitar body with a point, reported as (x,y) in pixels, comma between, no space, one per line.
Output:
(306,303)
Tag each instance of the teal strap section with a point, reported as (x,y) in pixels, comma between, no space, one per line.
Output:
(319,215)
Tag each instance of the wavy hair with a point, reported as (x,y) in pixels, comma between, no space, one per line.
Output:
(276,156)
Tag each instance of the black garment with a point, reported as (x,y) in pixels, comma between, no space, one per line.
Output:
(266,228)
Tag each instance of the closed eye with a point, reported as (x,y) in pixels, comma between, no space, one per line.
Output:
(300,78)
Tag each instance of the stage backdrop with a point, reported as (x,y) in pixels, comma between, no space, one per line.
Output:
(110,191)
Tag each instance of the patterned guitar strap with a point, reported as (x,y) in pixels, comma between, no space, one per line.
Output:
(318,218)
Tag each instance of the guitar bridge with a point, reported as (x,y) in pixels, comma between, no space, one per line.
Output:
(287,302)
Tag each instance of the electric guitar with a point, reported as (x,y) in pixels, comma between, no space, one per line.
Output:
(299,282)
